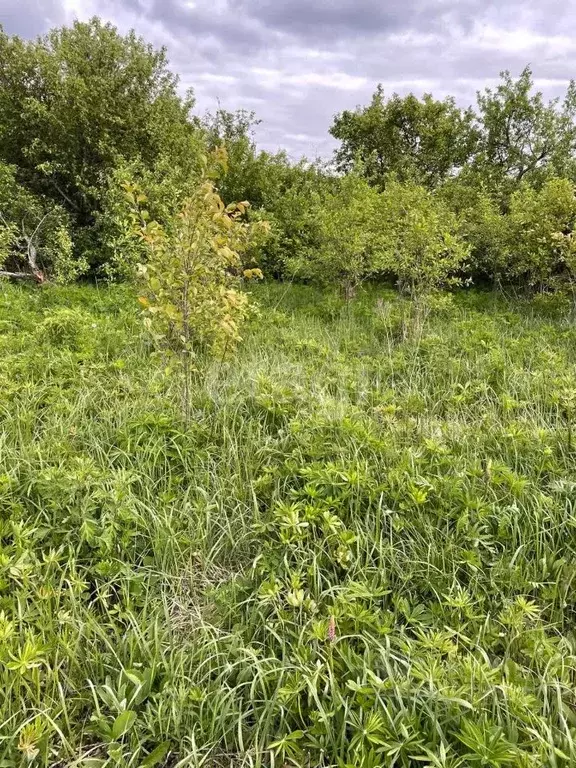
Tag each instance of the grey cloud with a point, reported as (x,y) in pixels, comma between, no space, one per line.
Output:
(349,19)
(329,17)
(210,28)
(251,26)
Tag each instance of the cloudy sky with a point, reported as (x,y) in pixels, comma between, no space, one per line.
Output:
(298,62)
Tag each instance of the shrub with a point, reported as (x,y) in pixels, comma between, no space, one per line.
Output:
(535,220)
(528,244)
(420,240)
(347,249)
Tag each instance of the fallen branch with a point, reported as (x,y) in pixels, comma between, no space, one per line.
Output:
(37,276)
(31,252)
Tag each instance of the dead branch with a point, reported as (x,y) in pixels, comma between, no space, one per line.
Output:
(38,277)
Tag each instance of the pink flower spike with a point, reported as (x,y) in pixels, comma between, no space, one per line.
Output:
(332,629)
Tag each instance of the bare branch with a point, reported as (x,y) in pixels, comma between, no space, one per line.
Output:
(31,248)
(20,276)
(42,220)
(64,195)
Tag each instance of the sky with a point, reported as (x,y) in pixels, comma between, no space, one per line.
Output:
(296,63)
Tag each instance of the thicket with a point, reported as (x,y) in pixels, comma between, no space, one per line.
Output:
(420,191)
(79,108)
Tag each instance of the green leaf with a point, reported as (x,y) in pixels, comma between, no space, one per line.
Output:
(123,723)
(294,736)
(157,755)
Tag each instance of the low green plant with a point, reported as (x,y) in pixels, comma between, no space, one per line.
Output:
(358,551)
(65,327)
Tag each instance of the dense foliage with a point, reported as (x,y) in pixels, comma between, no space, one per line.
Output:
(85,111)
(522,138)
(346,248)
(77,104)
(359,552)
(425,140)
(34,232)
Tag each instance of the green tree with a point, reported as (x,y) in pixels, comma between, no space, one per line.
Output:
(345,247)
(421,241)
(78,102)
(523,138)
(243,178)
(425,140)
(565,240)
(190,278)
(290,201)
(166,186)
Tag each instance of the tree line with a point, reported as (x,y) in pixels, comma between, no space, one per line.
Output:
(97,143)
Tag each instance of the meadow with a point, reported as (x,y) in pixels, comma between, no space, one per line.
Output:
(358,552)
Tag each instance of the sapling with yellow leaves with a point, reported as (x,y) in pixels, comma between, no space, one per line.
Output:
(191,281)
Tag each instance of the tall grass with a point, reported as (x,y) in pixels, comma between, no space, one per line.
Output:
(360,551)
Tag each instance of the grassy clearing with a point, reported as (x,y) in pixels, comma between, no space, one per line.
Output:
(360,552)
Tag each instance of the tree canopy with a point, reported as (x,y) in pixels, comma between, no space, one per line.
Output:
(521,137)
(420,189)
(423,140)
(79,101)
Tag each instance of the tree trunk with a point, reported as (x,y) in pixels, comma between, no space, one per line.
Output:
(349,290)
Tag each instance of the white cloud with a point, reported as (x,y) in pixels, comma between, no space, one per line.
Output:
(522,40)
(276,78)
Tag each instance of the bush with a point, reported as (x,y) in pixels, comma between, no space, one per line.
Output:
(420,240)
(346,252)
(536,220)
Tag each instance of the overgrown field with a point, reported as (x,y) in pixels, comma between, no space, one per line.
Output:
(360,552)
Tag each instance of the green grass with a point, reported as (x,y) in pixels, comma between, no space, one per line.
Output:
(360,552)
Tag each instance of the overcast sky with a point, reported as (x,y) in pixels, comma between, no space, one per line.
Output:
(298,62)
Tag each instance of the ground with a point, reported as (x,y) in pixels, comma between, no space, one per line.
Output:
(359,552)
